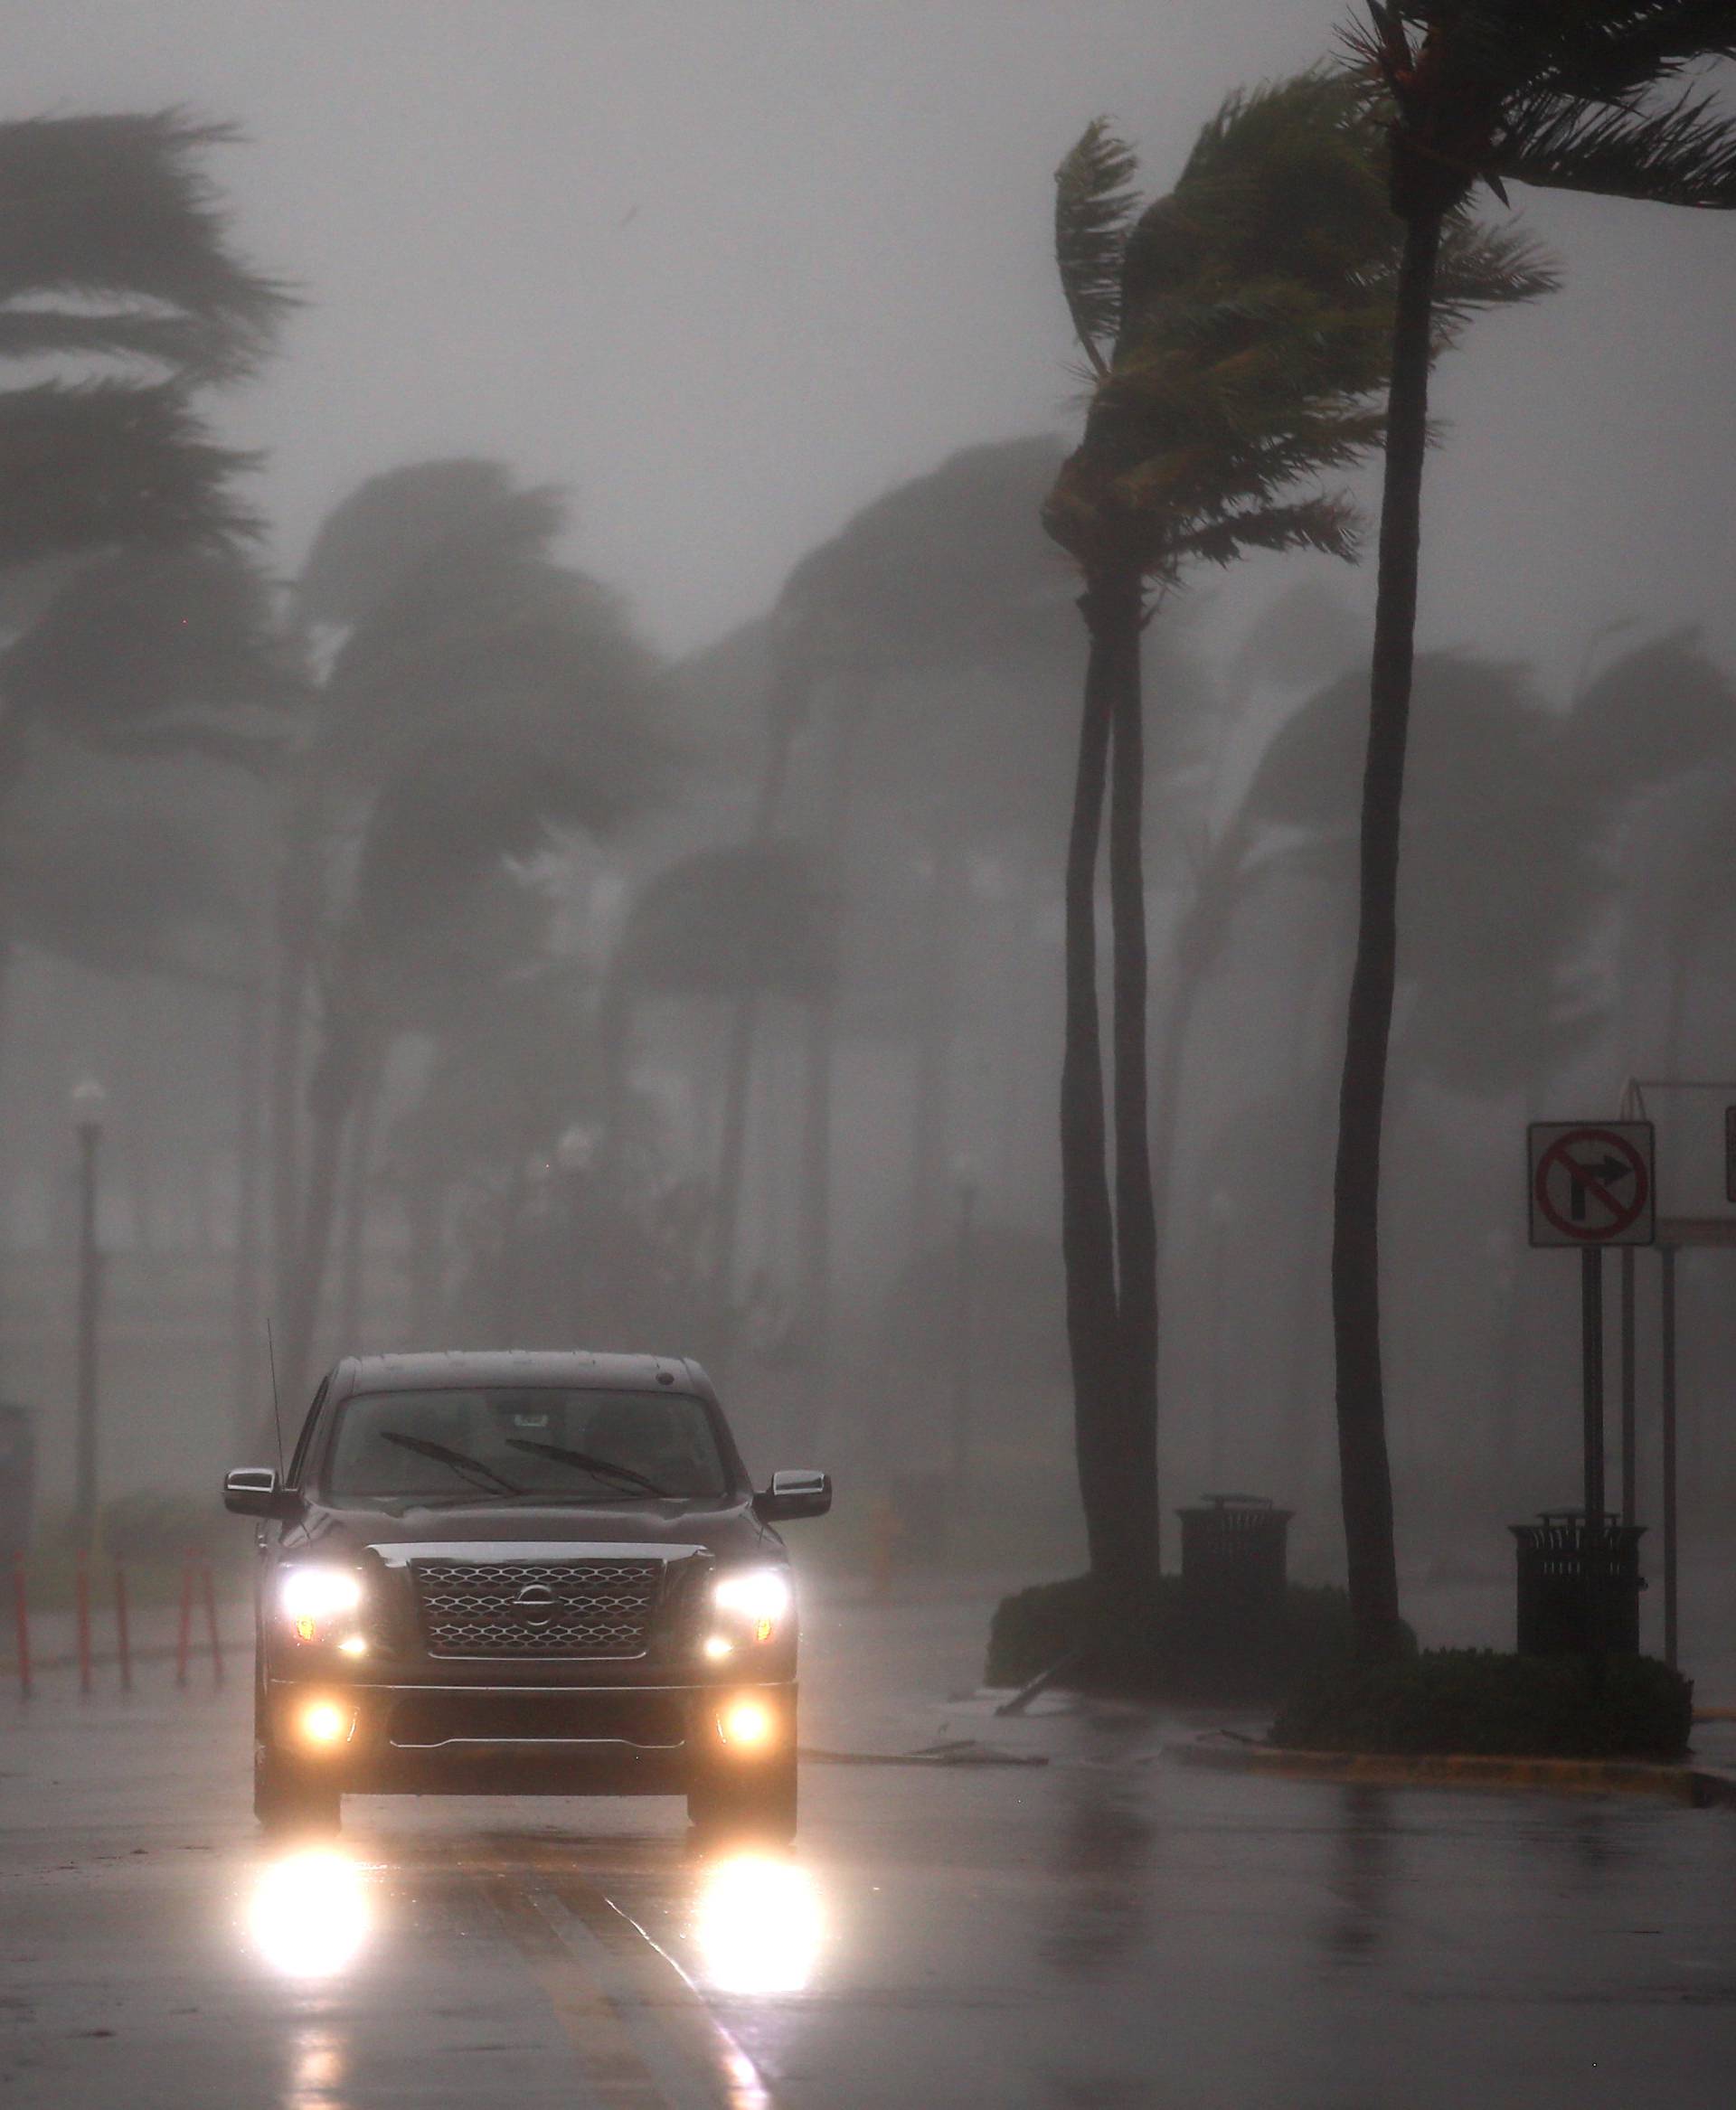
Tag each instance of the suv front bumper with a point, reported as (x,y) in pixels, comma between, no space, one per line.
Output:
(522,1739)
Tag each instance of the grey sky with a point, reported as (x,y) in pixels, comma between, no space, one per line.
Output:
(727,268)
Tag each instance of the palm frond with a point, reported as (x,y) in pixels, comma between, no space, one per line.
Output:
(134,648)
(1094,206)
(1328,524)
(84,468)
(185,345)
(1617,50)
(1682,154)
(1482,266)
(116,206)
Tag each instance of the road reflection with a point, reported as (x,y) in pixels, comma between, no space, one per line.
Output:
(309,1917)
(319,2070)
(758,1926)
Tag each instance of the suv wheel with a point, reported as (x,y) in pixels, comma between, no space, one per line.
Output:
(756,1801)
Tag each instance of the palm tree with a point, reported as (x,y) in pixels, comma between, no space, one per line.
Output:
(480,694)
(114,250)
(1235,334)
(941,577)
(741,923)
(1584,97)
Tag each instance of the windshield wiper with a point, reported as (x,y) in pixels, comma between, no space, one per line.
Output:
(584,1460)
(461,1462)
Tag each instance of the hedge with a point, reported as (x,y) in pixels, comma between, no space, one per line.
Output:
(1173,1645)
(1478,1701)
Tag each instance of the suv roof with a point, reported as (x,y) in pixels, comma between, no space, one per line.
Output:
(576,1369)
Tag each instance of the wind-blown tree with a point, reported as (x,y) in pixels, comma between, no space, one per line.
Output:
(740,923)
(1525,826)
(482,695)
(117,273)
(940,579)
(1581,94)
(1236,333)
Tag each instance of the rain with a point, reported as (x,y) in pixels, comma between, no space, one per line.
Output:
(876,820)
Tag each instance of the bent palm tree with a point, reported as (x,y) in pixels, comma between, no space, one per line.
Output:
(1236,333)
(113,249)
(1565,96)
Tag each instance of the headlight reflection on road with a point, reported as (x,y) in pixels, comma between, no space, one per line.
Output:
(758,1924)
(309,1916)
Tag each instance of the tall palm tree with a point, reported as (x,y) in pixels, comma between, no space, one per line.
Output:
(743,923)
(480,693)
(114,250)
(1235,333)
(1582,95)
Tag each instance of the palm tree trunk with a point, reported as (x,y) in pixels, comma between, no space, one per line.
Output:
(1364,1473)
(337,1082)
(788,706)
(357,1184)
(1135,1225)
(1087,1229)
(297,921)
(937,1006)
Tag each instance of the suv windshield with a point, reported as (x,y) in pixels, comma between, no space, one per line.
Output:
(525,1441)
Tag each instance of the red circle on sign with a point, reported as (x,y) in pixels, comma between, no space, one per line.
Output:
(1623,1215)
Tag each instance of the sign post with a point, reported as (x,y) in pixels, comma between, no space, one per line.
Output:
(1593,1185)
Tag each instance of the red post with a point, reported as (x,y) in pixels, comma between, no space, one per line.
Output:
(21,1615)
(81,1601)
(123,1632)
(184,1638)
(211,1623)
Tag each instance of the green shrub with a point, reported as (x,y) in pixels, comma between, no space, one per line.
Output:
(1478,1701)
(1174,1645)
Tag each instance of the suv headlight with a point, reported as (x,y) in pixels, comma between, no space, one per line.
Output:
(750,1606)
(320,1605)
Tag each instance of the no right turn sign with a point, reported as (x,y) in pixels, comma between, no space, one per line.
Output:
(1592,1183)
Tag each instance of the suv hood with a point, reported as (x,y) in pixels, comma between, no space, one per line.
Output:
(727,1530)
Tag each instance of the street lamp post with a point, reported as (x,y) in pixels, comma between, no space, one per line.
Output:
(88,1101)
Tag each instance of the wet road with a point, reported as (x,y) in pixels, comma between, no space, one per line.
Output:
(1105,1930)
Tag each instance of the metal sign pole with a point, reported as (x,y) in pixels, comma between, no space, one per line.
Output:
(1669,1253)
(1629,1447)
(1592,1318)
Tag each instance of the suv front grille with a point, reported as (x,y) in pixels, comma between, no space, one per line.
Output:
(536,1607)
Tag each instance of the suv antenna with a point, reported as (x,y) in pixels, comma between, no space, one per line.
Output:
(276,1413)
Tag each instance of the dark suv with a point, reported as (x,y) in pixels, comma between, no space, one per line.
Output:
(520,1573)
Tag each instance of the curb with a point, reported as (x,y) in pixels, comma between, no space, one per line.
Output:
(1695,1786)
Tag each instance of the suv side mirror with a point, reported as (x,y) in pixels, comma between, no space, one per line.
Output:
(792,1495)
(252,1490)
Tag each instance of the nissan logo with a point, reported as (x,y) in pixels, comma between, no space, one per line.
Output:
(535,1603)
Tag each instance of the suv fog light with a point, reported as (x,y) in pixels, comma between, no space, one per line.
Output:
(324,1723)
(748,1722)
(717,1648)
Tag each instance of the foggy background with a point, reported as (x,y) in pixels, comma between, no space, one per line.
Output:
(726,276)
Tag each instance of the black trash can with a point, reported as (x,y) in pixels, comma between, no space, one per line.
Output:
(17,1478)
(1578,1590)
(1234,1550)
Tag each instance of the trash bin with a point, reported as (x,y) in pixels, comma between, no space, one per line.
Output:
(1579,1591)
(1233,1553)
(17,1478)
